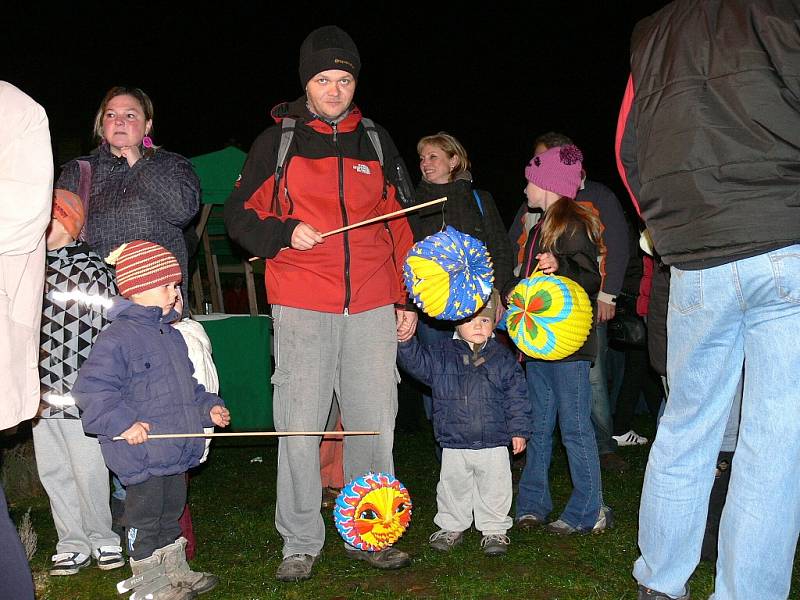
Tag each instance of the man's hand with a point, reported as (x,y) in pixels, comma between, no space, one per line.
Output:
(136,433)
(220,416)
(305,237)
(518,444)
(605,311)
(406,324)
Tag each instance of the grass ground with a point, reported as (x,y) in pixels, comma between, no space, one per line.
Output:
(233,501)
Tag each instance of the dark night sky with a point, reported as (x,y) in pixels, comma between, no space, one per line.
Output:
(493,77)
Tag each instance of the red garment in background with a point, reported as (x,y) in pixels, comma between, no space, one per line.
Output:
(331,460)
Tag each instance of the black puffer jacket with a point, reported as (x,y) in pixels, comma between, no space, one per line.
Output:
(461,211)
(152,201)
(710,129)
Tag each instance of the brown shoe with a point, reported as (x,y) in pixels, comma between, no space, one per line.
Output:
(613,462)
(388,558)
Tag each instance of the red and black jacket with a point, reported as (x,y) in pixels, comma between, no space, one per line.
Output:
(331,178)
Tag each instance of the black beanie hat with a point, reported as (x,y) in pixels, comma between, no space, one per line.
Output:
(328,48)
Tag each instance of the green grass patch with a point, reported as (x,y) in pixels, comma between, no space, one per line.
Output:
(233,505)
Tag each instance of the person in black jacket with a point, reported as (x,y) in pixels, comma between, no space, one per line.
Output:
(445,172)
(613,261)
(565,241)
(709,146)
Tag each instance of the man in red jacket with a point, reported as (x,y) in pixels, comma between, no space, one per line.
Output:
(338,302)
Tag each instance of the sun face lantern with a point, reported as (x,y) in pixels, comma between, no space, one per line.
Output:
(449,274)
(549,316)
(372,511)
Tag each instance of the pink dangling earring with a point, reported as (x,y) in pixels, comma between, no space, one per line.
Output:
(147,142)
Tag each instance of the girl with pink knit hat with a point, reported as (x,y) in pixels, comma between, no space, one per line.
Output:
(566,241)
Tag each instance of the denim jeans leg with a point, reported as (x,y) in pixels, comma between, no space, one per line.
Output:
(534,487)
(759,528)
(731,435)
(704,361)
(601,407)
(574,397)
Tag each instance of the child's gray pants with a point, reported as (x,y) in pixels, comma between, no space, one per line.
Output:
(474,481)
(75,477)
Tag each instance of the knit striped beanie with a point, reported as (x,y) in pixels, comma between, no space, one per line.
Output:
(142,266)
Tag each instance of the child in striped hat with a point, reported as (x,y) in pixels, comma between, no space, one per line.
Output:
(137,381)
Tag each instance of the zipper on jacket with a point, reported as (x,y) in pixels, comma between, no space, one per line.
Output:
(345,222)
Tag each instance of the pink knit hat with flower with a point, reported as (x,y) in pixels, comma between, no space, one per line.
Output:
(558,170)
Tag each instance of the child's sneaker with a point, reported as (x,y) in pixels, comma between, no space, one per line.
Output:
(69,563)
(444,540)
(109,557)
(495,544)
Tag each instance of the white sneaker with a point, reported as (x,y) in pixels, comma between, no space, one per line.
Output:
(631,438)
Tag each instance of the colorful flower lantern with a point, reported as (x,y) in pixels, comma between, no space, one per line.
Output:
(549,316)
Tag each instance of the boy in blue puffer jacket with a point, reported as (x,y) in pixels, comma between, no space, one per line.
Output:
(480,407)
(138,381)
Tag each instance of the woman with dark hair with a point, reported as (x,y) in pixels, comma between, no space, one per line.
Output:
(132,189)
(566,241)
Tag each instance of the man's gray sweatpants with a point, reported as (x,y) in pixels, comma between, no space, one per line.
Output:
(317,354)
(75,477)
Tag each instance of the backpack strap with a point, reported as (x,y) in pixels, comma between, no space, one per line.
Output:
(372,133)
(287,133)
(478,200)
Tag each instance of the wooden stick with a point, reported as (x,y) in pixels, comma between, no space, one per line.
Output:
(165,436)
(375,219)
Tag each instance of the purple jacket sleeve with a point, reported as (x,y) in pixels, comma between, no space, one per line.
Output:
(98,389)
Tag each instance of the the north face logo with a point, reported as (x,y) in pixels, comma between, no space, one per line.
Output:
(362,168)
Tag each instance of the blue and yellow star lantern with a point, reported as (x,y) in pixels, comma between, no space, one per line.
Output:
(449,274)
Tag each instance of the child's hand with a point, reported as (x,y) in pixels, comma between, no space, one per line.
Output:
(548,263)
(518,444)
(220,416)
(136,433)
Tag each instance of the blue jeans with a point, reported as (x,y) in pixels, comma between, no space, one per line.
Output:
(561,389)
(601,406)
(745,313)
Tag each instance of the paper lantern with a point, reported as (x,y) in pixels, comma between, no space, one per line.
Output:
(372,511)
(449,274)
(548,316)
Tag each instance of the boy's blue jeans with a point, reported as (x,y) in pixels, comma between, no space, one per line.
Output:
(562,390)
(743,313)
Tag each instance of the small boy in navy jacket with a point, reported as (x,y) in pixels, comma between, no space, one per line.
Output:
(480,407)
(138,381)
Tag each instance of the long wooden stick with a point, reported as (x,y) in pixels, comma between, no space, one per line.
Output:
(375,219)
(166,436)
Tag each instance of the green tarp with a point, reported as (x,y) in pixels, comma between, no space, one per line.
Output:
(218,172)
